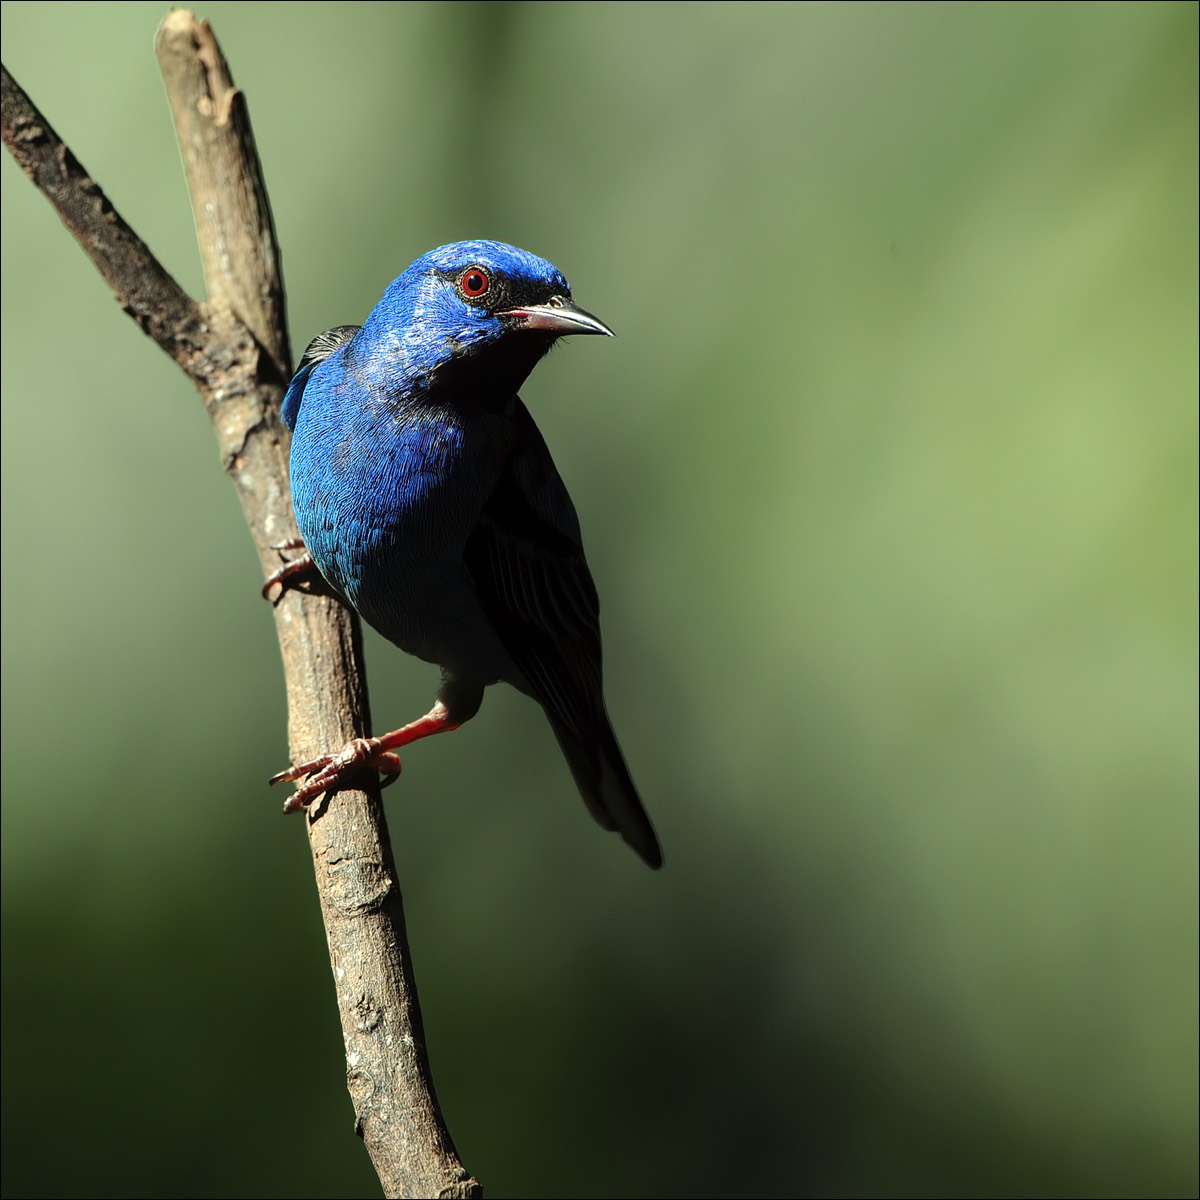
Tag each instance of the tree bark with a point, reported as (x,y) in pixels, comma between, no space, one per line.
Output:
(234,347)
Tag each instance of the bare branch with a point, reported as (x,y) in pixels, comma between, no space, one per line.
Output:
(142,285)
(235,349)
(229,199)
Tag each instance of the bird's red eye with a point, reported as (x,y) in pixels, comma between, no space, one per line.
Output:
(474,282)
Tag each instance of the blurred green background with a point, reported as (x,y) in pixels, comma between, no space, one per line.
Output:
(889,486)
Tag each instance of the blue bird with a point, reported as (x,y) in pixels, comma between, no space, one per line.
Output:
(428,500)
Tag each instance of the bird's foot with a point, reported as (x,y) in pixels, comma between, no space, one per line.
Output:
(277,582)
(328,772)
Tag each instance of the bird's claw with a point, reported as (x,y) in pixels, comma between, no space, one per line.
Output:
(278,580)
(389,767)
(328,772)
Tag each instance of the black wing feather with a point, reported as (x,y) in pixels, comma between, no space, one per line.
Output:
(528,567)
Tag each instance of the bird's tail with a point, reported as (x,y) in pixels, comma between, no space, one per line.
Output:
(604,783)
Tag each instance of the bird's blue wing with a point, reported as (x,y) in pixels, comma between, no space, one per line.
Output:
(319,349)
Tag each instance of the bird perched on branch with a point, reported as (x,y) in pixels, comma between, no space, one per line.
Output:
(426,497)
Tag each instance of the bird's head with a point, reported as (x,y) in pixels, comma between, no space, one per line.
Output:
(478,308)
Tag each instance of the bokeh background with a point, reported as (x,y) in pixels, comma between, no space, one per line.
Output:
(889,485)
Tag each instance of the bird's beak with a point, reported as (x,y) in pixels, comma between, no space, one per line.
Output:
(558,315)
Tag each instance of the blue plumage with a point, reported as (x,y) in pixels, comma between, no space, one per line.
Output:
(427,498)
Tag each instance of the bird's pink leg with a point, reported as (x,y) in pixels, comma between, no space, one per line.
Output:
(277,581)
(328,772)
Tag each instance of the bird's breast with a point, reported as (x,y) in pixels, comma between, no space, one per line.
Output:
(386,497)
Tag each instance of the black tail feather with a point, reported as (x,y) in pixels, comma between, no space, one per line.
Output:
(604,783)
